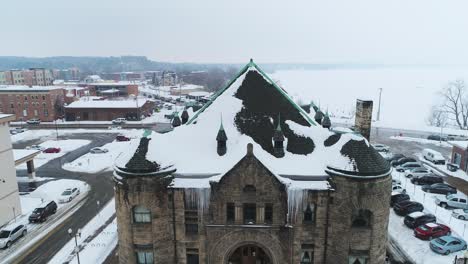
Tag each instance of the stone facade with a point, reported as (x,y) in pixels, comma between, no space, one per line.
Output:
(363,120)
(248,209)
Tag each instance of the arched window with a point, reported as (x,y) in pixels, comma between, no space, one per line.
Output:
(362,218)
(250,188)
(141,214)
(309,213)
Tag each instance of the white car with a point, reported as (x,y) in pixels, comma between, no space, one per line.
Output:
(68,195)
(98,150)
(452,200)
(417,172)
(381,147)
(119,121)
(35,147)
(398,188)
(461,214)
(10,234)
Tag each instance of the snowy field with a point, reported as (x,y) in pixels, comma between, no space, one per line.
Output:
(46,192)
(66,146)
(418,249)
(407,96)
(94,163)
(96,244)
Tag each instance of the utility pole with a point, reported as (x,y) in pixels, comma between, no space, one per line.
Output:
(378,109)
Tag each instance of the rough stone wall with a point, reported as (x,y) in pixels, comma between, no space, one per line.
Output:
(350,196)
(158,234)
(363,118)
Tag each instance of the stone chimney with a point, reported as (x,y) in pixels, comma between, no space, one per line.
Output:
(363,118)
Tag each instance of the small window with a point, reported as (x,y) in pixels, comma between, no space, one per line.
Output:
(362,218)
(192,256)
(250,214)
(144,257)
(191,229)
(309,213)
(268,213)
(250,188)
(230,212)
(307,253)
(141,214)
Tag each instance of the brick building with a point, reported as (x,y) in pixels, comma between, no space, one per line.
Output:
(107,110)
(263,184)
(30,77)
(43,102)
(112,89)
(460,154)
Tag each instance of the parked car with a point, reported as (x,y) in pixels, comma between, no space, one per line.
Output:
(447,244)
(441,188)
(34,121)
(402,161)
(416,219)
(68,195)
(114,127)
(433,156)
(398,188)
(461,214)
(417,171)
(452,167)
(395,157)
(381,147)
(426,180)
(431,230)
(452,200)
(437,137)
(407,207)
(18,130)
(98,150)
(409,165)
(398,197)
(396,182)
(40,214)
(122,138)
(11,233)
(119,121)
(35,147)
(52,150)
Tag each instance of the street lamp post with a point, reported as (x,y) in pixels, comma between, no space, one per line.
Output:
(76,235)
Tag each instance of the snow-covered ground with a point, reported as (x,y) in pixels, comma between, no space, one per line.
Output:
(46,192)
(51,133)
(418,249)
(66,146)
(94,163)
(407,95)
(423,141)
(95,243)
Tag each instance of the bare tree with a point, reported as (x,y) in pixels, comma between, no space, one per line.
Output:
(437,117)
(455,103)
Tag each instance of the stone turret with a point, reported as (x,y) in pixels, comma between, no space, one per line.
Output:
(326,122)
(185,116)
(278,139)
(318,116)
(221,138)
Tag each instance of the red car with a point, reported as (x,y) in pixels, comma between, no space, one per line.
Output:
(431,230)
(122,138)
(52,150)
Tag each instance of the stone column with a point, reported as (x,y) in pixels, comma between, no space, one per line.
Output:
(238,214)
(260,214)
(31,170)
(363,118)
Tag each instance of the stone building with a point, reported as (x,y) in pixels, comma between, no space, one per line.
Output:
(252,178)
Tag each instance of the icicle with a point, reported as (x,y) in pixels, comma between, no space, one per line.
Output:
(198,198)
(297,198)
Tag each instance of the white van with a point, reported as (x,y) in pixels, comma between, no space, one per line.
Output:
(433,156)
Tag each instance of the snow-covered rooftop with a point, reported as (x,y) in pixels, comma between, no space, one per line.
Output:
(6,117)
(20,154)
(200,93)
(108,104)
(250,107)
(22,88)
(460,144)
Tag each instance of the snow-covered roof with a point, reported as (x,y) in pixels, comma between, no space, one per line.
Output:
(6,118)
(110,83)
(251,106)
(20,154)
(461,144)
(198,94)
(108,104)
(22,88)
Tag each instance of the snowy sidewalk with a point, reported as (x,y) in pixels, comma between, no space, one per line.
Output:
(98,239)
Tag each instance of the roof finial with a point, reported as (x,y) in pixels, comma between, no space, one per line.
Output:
(221,127)
(251,60)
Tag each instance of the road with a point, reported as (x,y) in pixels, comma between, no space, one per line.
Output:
(101,190)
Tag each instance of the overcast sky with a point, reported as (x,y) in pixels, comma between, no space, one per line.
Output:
(310,31)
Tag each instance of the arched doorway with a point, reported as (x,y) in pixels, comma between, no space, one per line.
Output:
(249,254)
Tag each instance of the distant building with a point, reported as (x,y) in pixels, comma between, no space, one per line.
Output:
(30,77)
(71,74)
(43,102)
(460,154)
(124,76)
(113,89)
(107,110)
